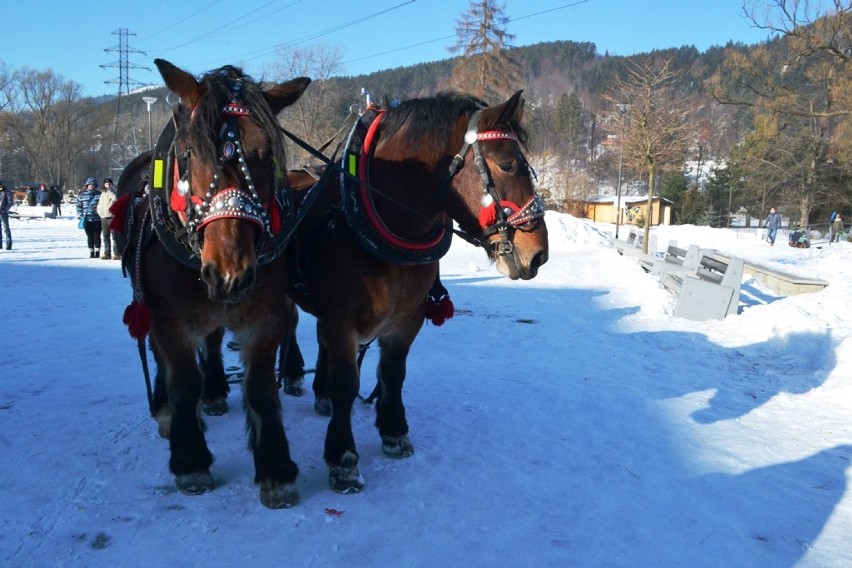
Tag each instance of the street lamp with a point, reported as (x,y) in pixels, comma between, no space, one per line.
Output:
(149,101)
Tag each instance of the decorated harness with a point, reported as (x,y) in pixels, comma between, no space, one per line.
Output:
(497,216)
(179,216)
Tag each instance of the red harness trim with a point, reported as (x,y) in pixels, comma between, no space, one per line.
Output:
(496,135)
(370,211)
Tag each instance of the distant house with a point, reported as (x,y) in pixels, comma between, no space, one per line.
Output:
(603,209)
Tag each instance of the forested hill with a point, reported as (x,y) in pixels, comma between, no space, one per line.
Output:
(550,69)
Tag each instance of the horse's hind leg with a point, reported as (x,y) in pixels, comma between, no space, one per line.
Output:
(214,400)
(275,472)
(390,411)
(291,365)
(161,410)
(322,401)
(343,383)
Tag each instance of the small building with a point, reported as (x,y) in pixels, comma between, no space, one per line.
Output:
(633,207)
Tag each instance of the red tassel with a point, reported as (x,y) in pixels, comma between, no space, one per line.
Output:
(177,202)
(439,311)
(487,216)
(119,212)
(274,217)
(137,318)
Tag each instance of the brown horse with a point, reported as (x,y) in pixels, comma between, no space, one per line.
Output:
(368,255)
(205,254)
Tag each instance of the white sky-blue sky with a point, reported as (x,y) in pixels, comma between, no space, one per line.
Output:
(71,37)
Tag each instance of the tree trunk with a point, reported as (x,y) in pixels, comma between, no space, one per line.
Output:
(650,213)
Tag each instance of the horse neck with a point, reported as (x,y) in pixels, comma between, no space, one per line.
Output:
(406,186)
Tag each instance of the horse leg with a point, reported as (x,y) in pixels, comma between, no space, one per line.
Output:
(322,402)
(291,365)
(275,472)
(343,384)
(161,411)
(390,411)
(190,459)
(214,401)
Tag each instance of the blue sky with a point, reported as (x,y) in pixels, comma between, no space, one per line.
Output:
(198,35)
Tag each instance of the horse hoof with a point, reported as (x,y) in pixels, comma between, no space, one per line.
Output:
(294,386)
(195,483)
(215,407)
(279,496)
(345,480)
(322,406)
(397,446)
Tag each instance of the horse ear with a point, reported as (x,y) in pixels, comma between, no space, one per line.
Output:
(505,113)
(284,94)
(180,82)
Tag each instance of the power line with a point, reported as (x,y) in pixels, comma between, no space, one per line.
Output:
(257,54)
(452,36)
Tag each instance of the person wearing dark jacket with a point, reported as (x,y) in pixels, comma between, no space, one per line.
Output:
(772,224)
(56,200)
(87,211)
(6,202)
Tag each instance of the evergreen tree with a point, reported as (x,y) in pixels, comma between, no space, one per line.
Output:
(485,68)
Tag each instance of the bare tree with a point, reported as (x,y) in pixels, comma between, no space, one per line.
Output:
(48,122)
(801,83)
(316,116)
(650,121)
(485,68)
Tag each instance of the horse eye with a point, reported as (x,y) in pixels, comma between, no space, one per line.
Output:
(506,166)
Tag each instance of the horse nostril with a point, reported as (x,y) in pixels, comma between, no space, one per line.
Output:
(210,275)
(538,259)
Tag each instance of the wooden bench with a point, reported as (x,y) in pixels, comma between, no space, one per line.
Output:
(674,259)
(706,289)
(778,281)
(633,245)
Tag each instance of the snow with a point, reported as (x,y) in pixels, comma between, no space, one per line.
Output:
(569,420)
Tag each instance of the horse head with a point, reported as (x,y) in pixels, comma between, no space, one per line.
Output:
(228,184)
(491,177)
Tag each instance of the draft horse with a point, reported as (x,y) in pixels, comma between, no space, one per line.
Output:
(368,254)
(205,253)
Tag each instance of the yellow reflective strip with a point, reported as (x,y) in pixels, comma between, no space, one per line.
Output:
(158,174)
(353,161)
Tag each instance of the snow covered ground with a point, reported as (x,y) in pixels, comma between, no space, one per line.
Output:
(565,421)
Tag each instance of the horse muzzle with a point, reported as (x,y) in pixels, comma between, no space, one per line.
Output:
(229,287)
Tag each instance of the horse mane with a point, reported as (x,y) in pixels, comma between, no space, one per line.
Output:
(427,120)
(203,128)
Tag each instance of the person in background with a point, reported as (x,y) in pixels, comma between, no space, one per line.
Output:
(110,238)
(6,202)
(31,196)
(87,211)
(836,228)
(772,224)
(56,200)
(43,195)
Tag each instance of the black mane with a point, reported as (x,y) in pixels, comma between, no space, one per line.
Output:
(203,129)
(428,120)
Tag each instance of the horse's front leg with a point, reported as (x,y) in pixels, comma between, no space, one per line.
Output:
(275,471)
(190,459)
(390,411)
(342,384)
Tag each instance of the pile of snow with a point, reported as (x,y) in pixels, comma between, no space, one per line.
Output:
(568,420)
